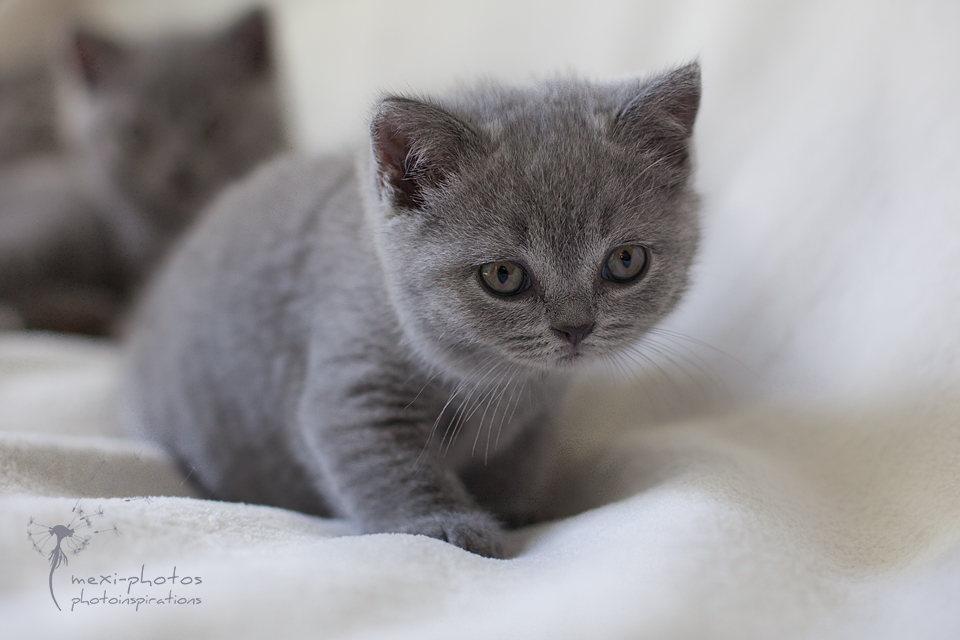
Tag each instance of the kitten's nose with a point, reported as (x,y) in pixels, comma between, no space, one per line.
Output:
(574,334)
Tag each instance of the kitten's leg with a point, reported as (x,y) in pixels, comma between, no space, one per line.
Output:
(379,473)
(515,482)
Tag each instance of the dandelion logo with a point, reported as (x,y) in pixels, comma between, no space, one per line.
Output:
(75,536)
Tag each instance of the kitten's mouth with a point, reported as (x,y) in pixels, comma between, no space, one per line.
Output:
(561,359)
(570,356)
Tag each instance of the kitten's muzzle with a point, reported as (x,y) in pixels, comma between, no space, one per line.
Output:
(574,335)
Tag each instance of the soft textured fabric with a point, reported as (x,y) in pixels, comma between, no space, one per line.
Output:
(817,495)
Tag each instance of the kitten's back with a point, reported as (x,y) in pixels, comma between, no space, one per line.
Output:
(259,232)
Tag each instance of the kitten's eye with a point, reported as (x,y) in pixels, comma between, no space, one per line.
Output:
(504,278)
(625,263)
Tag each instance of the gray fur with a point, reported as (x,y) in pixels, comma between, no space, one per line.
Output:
(322,342)
(28,119)
(170,122)
(152,132)
(58,263)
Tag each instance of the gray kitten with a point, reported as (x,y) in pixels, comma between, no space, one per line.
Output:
(168,123)
(153,132)
(387,342)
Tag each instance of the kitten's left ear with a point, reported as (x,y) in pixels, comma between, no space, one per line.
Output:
(660,118)
(417,147)
(248,41)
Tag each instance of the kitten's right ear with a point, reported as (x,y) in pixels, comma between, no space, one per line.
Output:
(95,56)
(417,147)
(249,41)
(659,119)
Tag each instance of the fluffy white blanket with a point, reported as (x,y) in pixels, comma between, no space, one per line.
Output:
(799,477)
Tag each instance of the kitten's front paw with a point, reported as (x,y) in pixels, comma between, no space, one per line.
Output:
(476,532)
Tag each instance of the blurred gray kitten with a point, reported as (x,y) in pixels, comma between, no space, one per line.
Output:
(387,342)
(153,132)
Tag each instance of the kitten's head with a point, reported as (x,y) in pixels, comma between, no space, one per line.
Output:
(543,226)
(170,122)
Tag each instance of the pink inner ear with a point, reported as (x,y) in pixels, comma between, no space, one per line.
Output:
(392,149)
(391,146)
(96,57)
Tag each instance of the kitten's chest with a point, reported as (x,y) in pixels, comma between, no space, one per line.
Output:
(475,425)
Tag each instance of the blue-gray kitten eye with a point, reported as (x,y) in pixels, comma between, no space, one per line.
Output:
(504,278)
(625,263)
